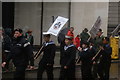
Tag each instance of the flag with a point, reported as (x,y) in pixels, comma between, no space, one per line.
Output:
(57,25)
(95,27)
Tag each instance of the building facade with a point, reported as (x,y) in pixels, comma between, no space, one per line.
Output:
(39,16)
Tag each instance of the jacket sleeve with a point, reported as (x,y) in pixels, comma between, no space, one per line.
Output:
(97,58)
(53,50)
(29,52)
(9,57)
(72,56)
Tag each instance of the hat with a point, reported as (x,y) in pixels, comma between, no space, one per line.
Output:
(106,38)
(46,34)
(100,30)
(69,37)
(86,43)
(19,30)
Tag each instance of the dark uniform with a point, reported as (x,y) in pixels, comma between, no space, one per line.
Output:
(68,59)
(105,62)
(97,42)
(6,46)
(84,36)
(47,60)
(86,64)
(21,53)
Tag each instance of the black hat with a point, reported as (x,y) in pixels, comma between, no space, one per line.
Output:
(100,30)
(46,34)
(19,30)
(86,43)
(106,38)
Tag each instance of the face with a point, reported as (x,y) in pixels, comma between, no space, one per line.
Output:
(84,46)
(104,41)
(30,33)
(67,42)
(99,33)
(46,39)
(17,34)
(71,29)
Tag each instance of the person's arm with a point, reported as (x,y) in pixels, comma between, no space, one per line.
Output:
(8,58)
(29,52)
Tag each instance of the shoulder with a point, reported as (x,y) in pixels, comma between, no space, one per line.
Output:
(73,47)
(25,42)
(51,43)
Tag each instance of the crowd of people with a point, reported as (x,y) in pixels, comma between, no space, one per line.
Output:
(94,55)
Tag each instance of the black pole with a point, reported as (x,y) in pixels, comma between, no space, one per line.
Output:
(41,29)
(69,13)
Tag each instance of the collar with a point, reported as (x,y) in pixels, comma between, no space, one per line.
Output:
(91,47)
(48,43)
(66,47)
(85,49)
(107,45)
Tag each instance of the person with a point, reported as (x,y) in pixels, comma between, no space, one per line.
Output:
(98,39)
(97,42)
(70,33)
(67,70)
(29,37)
(21,53)
(6,45)
(61,39)
(84,36)
(77,41)
(105,60)
(119,33)
(86,61)
(47,61)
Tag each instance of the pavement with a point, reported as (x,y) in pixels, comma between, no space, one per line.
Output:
(32,74)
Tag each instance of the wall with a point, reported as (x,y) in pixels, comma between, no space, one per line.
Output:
(84,15)
(28,16)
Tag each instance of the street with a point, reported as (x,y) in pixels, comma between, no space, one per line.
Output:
(114,71)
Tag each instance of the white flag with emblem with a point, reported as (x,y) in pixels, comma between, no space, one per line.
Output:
(57,26)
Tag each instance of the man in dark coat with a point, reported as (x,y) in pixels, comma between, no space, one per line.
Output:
(68,60)
(21,53)
(84,36)
(105,60)
(97,42)
(47,61)
(86,61)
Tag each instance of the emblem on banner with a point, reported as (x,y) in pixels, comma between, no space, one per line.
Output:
(57,25)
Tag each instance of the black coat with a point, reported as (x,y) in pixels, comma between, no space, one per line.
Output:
(68,56)
(48,53)
(86,57)
(21,52)
(106,54)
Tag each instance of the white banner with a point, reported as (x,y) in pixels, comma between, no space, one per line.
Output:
(57,26)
